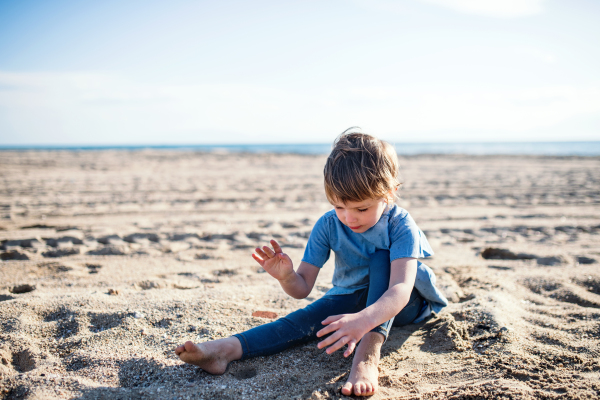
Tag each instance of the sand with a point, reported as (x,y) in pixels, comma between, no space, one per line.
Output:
(113,258)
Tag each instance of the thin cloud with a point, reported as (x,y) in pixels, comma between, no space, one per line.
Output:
(492,8)
(101,108)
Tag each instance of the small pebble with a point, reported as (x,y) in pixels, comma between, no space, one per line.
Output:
(138,315)
(264,314)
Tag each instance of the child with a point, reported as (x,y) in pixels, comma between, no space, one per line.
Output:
(377,280)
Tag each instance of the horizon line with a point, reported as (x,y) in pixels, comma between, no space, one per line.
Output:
(176,145)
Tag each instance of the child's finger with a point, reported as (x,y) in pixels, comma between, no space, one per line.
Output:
(258,259)
(327,329)
(338,345)
(268,251)
(350,349)
(329,340)
(261,253)
(332,318)
(276,246)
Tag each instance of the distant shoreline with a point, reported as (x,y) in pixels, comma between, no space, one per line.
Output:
(589,148)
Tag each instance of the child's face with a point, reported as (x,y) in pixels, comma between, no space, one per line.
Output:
(360,215)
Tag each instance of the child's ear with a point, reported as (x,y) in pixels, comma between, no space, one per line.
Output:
(391,195)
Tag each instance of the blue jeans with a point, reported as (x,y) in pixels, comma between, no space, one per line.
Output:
(302,325)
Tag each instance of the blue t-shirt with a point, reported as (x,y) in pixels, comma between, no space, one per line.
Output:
(395,231)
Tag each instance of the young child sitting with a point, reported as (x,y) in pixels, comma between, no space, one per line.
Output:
(377,283)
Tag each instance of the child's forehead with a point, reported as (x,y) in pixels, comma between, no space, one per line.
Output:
(354,204)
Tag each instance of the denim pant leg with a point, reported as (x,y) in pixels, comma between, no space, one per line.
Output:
(411,311)
(298,327)
(379,281)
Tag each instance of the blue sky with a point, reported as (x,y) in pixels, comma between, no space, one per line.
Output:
(201,72)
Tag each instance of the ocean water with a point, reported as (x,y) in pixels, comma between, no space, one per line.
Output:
(500,148)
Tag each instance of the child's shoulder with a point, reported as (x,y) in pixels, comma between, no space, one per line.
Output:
(325,219)
(327,216)
(399,217)
(396,213)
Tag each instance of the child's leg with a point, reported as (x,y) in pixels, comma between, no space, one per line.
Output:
(411,311)
(298,327)
(364,373)
(363,378)
(379,281)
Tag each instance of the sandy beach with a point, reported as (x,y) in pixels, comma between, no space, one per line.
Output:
(110,259)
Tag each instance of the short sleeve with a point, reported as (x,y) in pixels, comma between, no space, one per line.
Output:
(318,248)
(406,239)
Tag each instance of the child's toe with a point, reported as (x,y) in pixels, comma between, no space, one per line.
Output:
(189,346)
(347,389)
(359,388)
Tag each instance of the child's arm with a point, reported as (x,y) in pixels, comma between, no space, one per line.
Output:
(297,284)
(350,328)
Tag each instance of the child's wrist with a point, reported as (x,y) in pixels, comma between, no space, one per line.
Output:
(369,319)
(288,279)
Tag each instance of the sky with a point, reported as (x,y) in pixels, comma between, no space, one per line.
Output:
(145,72)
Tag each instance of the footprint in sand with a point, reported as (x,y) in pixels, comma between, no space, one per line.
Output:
(93,268)
(54,267)
(492,253)
(114,240)
(66,322)
(148,284)
(60,253)
(540,285)
(13,255)
(244,373)
(163,323)
(190,275)
(203,256)
(585,260)
(102,321)
(20,360)
(19,289)
(65,240)
(225,272)
(560,291)
(142,238)
(550,261)
(108,251)
(590,283)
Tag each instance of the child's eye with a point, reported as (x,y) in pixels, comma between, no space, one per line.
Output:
(362,210)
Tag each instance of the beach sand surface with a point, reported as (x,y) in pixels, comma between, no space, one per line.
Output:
(110,259)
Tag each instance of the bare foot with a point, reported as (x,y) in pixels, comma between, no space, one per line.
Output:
(213,357)
(364,376)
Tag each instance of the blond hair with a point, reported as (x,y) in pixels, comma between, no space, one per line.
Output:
(361,167)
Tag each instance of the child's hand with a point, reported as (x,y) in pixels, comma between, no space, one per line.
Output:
(275,261)
(348,328)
